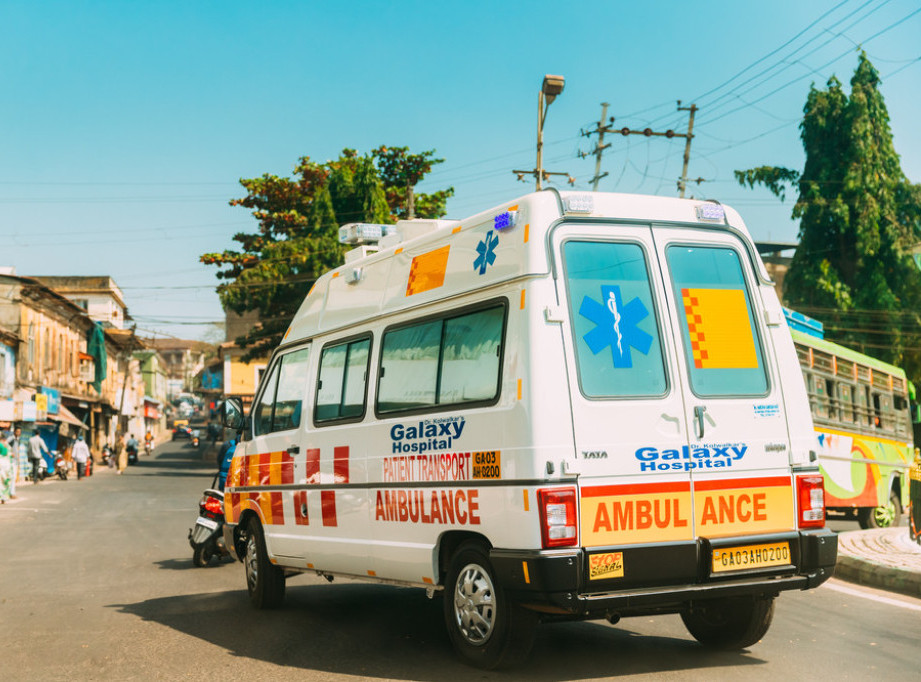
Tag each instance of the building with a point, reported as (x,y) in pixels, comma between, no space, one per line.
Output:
(183,360)
(61,372)
(99,296)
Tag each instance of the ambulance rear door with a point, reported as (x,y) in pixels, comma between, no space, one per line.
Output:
(630,417)
(739,449)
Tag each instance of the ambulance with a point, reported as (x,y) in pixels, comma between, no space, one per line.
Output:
(570,406)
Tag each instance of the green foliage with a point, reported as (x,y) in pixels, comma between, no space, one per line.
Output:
(297,238)
(776,179)
(859,218)
(400,172)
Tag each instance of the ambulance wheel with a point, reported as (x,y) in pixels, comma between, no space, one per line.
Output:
(732,623)
(486,629)
(885,516)
(264,581)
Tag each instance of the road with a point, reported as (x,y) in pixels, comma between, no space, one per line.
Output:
(96,582)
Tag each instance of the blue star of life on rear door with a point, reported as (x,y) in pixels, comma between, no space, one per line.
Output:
(616,325)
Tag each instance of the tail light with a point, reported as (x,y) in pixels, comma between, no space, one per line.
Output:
(213,505)
(810,497)
(558,520)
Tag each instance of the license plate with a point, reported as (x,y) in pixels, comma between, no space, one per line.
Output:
(207,523)
(751,556)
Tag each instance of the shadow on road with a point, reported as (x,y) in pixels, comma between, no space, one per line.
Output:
(387,632)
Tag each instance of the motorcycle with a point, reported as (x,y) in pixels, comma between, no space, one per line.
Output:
(207,535)
(132,455)
(195,438)
(148,448)
(61,468)
(107,456)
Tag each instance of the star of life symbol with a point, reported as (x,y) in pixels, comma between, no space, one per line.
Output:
(616,325)
(487,250)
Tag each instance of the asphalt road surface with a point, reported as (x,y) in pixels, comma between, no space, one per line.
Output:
(97,583)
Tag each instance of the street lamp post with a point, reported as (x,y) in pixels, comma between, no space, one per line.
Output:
(550,88)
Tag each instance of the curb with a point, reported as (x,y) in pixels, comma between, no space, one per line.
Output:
(856,566)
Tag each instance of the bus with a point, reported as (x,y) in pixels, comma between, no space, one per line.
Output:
(861,411)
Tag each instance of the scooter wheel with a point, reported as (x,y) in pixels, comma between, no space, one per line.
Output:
(201,556)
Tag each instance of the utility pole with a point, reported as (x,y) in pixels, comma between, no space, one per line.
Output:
(551,87)
(649,132)
(683,183)
(599,130)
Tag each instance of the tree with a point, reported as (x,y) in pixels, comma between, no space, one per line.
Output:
(297,238)
(400,172)
(859,218)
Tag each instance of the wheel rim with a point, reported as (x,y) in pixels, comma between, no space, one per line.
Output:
(474,604)
(252,563)
(884,515)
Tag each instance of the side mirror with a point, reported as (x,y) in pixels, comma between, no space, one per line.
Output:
(232,414)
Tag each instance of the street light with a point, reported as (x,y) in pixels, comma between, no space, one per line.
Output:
(551,87)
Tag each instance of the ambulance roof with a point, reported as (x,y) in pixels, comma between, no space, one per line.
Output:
(438,260)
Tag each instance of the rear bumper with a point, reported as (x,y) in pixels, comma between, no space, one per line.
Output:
(662,578)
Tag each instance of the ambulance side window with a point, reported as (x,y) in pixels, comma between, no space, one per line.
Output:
(280,404)
(343,377)
(262,415)
(290,395)
(450,361)
(721,343)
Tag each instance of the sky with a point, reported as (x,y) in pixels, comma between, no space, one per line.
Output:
(126,127)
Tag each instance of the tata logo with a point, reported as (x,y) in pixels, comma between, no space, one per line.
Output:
(594,454)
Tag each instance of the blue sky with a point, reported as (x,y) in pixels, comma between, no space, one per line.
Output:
(127,126)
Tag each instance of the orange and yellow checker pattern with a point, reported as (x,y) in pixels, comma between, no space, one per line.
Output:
(264,469)
(720,328)
(428,271)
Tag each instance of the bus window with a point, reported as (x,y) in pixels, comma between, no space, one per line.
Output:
(832,399)
(820,396)
(845,403)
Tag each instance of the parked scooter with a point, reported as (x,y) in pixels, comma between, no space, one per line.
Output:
(61,468)
(207,535)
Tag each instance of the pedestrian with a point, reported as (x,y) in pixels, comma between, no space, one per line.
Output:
(6,472)
(80,452)
(13,444)
(121,454)
(36,447)
(223,459)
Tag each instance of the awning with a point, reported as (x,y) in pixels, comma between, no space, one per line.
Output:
(65,416)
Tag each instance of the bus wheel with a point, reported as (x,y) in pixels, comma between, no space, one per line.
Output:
(486,629)
(264,581)
(733,623)
(886,516)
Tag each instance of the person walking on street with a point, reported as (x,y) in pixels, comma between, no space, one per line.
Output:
(6,472)
(13,444)
(36,447)
(80,453)
(121,455)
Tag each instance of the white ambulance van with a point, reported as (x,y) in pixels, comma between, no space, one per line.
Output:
(571,406)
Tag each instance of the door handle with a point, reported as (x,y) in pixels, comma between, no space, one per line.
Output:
(293,450)
(699,420)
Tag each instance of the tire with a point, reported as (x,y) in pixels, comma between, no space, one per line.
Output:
(886,516)
(264,581)
(201,556)
(485,627)
(731,623)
